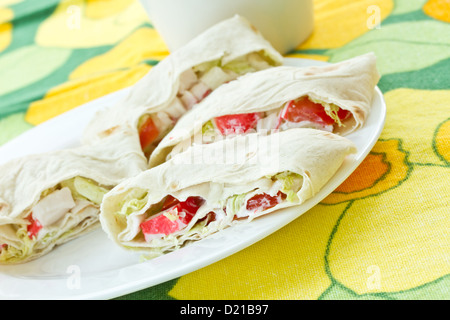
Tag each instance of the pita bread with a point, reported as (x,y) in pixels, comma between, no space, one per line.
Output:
(156,92)
(25,182)
(219,172)
(349,85)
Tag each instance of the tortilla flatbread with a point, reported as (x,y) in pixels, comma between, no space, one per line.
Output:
(348,85)
(48,199)
(220,54)
(218,185)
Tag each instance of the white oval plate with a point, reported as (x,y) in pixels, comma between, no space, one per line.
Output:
(92,267)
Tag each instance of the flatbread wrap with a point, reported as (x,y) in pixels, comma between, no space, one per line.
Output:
(214,186)
(220,54)
(50,198)
(335,98)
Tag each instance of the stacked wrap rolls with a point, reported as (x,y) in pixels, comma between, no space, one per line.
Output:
(211,187)
(336,98)
(271,137)
(175,85)
(48,199)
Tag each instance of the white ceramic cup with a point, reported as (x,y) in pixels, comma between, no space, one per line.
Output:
(284,23)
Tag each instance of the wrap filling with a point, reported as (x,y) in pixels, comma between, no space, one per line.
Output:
(172,217)
(195,85)
(299,113)
(62,210)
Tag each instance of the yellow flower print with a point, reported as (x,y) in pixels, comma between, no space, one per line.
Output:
(383,169)
(118,68)
(70,27)
(438,9)
(395,241)
(6,15)
(296,252)
(146,44)
(413,115)
(337,22)
(99,9)
(33,61)
(77,92)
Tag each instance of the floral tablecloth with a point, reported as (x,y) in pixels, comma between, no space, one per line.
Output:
(383,234)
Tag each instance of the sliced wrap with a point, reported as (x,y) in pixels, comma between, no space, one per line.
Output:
(335,98)
(214,186)
(220,54)
(48,199)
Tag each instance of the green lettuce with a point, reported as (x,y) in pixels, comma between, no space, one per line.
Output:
(81,189)
(331,110)
(134,201)
(205,66)
(89,190)
(239,66)
(250,63)
(291,184)
(85,189)
(208,128)
(47,192)
(235,203)
(142,120)
(198,228)
(13,254)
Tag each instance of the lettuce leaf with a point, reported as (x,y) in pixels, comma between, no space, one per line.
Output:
(208,128)
(134,201)
(234,204)
(291,184)
(239,66)
(85,189)
(331,110)
(89,190)
(205,66)
(13,254)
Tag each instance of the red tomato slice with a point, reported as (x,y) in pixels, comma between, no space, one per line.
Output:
(207,93)
(306,110)
(211,216)
(161,224)
(148,133)
(237,123)
(33,228)
(343,114)
(264,201)
(191,205)
(169,203)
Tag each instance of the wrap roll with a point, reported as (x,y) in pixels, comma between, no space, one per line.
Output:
(50,198)
(214,186)
(220,54)
(335,98)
